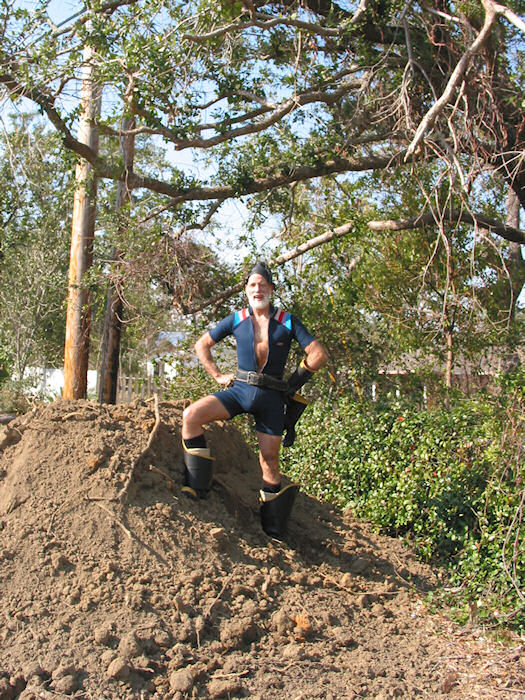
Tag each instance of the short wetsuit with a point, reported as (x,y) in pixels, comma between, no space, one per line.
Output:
(266,405)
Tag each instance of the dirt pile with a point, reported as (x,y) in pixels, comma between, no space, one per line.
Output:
(113,585)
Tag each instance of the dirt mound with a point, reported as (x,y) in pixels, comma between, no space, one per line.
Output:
(114,585)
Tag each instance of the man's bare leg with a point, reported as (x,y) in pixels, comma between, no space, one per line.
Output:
(269,446)
(196,415)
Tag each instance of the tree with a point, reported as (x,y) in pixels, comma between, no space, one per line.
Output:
(114,304)
(35,211)
(390,293)
(78,320)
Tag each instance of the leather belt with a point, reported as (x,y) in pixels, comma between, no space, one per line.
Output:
(265,381)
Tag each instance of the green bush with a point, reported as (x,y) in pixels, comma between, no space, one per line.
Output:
(450,480)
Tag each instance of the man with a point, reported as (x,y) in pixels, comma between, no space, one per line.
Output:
(263,335)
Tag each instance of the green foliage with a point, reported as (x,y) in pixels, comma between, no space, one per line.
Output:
(382,297)
(450,481)
(35,206)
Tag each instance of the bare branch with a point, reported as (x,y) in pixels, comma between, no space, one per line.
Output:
(302,172)
(444,15)
(360,11)
(198,226)
(108,8)
(47,104)
(265,21)
(234,120)
(278,113)
(262,20)
(507,232)
(107,170)
(216,33)
(509,15)
(285,108)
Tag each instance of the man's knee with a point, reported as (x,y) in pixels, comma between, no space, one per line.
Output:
(204,411)
(191,415)
(187,414)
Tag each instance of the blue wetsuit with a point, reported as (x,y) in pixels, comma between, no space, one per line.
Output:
(266,405)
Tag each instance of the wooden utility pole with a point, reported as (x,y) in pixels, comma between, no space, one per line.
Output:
(114,308)
(76,352)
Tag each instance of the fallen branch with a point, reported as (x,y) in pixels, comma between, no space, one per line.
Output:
(163,473)
(130,534)
(351,591)
(217,597)
(217,676)
(125,487)
(73,414)
(60,507)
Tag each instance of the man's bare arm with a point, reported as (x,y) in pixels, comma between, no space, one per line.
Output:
(316,356)
(203,351)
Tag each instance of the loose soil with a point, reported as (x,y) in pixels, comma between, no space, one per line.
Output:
(115,585)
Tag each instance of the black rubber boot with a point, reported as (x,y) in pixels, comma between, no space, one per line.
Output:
(276,509)
(198,473)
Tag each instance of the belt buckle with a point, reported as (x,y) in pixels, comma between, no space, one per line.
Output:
(255,379)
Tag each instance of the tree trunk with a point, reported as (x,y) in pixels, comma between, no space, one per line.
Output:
(114,307)
(449,327)
(449,339)
(516,261)
(109,364)
(76,353)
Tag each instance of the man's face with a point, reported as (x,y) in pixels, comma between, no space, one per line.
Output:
(258,291)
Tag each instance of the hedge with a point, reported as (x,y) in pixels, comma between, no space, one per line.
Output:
(450,480)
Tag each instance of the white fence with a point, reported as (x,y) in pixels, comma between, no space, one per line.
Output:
(47,383)
(130,388)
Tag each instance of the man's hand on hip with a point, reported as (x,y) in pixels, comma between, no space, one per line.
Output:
(225,379)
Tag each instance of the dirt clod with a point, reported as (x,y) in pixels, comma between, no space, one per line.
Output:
(129,646)
(119,669)
(181,681)
(66,685)
(224,688)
